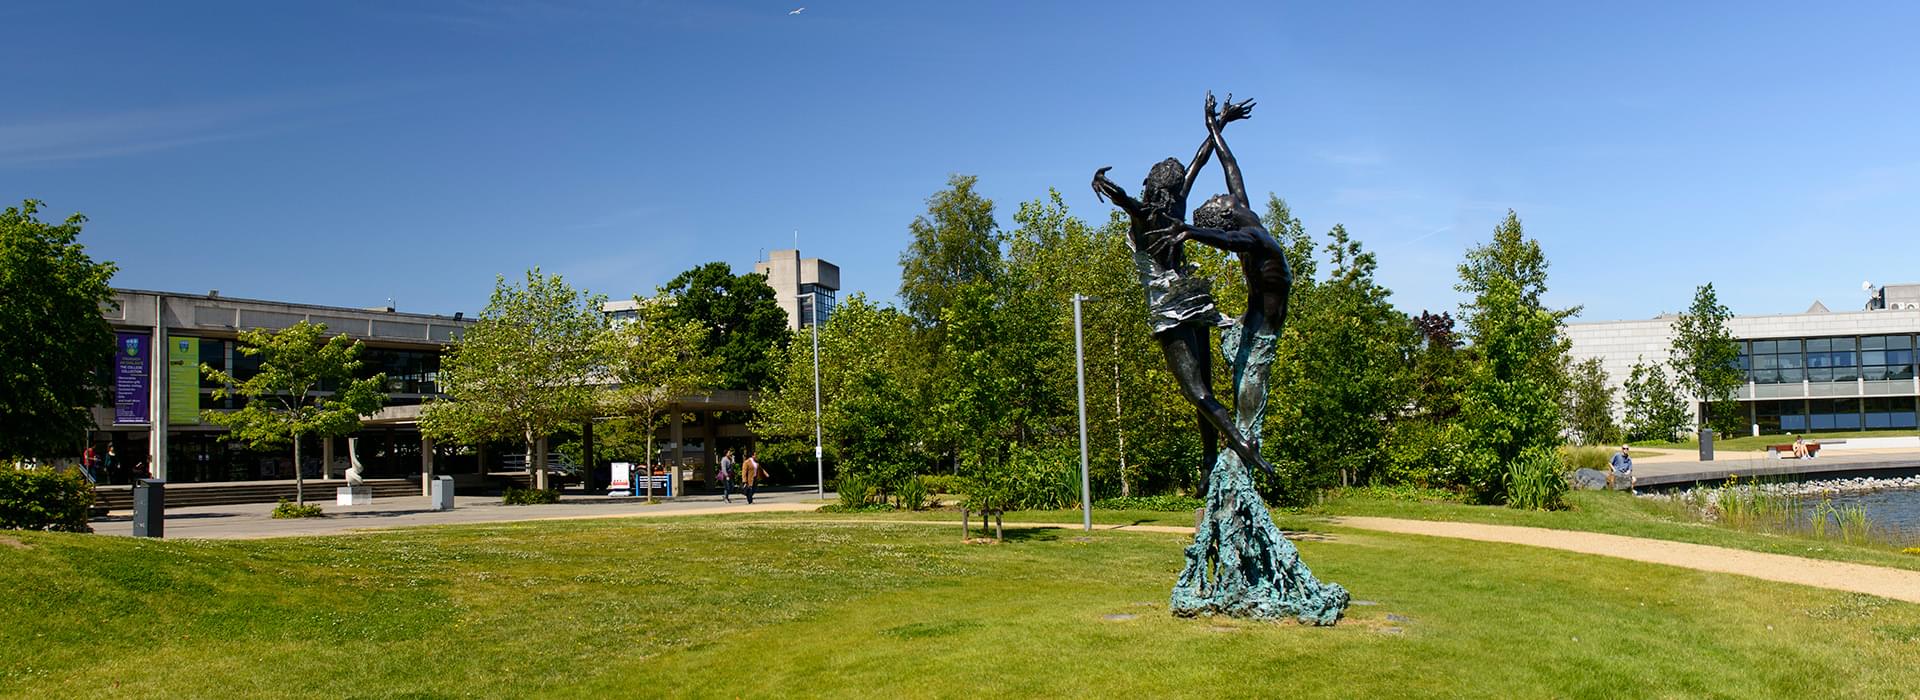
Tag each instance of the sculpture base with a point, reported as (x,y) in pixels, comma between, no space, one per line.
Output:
(1240,565)
(353,495)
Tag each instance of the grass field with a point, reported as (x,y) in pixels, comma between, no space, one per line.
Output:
(816,606)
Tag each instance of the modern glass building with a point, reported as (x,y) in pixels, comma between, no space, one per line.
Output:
(1808,372)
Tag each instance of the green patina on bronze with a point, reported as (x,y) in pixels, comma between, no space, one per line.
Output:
(1240,564)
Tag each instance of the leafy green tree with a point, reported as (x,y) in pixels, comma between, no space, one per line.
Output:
(955,243)
(1511,403)
(53,342)
(1589,404)
(305,386)
(652,361)
(1342,379)
(1705,361)
(1654,409)
(746,330)
(523,369)
(871,371)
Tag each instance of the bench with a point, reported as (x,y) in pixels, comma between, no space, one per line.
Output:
(1774,451)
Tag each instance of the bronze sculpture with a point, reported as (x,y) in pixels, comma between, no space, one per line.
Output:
(1239,564)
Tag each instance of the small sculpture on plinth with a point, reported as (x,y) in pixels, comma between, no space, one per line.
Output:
(356,492)
(1240,564)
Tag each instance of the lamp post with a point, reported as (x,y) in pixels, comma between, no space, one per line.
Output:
(819,462)
(1080,373)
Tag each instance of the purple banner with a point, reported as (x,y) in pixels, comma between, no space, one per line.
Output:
(131,372)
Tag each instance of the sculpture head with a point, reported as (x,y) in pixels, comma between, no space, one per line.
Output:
(1225,213)
(1165,188)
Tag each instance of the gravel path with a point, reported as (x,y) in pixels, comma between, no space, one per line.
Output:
(1898,584)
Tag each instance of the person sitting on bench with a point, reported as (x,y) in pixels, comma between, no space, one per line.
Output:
(1800,449)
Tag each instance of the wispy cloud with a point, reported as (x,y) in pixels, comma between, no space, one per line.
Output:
(146,129)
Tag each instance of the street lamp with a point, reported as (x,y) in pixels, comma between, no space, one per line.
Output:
(819,463)
(1080,373)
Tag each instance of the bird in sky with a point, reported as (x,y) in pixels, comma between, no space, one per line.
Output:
(797,11)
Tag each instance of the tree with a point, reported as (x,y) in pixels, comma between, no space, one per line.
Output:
(523,369)
(1340,378)
(1654,408)
(1511,403)
(1706,361)
(305,386)
(53,341)
(653,361)
(955,243)
(1589,404)
(745,328)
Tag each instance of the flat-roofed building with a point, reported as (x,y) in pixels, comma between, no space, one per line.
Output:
(1807,372)
(162,339)
(801,284)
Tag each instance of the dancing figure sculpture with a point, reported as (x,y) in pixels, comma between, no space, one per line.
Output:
(1179,301)
(1240,563)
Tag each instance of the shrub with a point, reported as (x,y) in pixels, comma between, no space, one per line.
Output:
(1595,458)
(528,497)
(289,509)
(940,483)
(1535,481)
(1163,504)
(44,499)
(854,491)
(1430,455)
(910,493)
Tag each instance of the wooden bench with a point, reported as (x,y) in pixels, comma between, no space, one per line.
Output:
(1775,451)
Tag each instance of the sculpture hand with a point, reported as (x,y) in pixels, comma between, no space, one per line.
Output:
(1168,238)
(1213,106)
(1103,188)
(1236,111)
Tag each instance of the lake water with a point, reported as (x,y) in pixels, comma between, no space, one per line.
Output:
(1890,511)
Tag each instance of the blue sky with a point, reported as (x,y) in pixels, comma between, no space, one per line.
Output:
(347,152)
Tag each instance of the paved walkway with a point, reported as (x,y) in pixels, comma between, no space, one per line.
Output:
(1678,468)
(255,520)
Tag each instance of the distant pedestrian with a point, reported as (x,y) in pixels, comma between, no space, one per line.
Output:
(725,476)
(90,465)
(110,462)
(751,474)
(1622,468)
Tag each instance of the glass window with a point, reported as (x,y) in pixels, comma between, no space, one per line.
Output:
(1819,345)
(1899,342)
(1873,357)
(1820,374)
(1873,342)
(1763,347)
(1792,375)
(1843,343)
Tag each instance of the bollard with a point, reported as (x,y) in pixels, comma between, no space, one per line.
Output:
(149,508)
(442,493)
(1706,444)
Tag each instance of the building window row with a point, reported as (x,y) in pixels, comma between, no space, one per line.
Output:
(1815,415)
(1845,359)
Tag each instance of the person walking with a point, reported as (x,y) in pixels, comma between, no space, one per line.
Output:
(111,462)
(725,476)
(90,465)
(751,473)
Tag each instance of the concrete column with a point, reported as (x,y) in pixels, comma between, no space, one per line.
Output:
(711,431)
(426,466)
(326,458)
(157,374)
(678,434)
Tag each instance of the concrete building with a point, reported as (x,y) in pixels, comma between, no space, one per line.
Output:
(1807,372)
(162,338)
(798,284)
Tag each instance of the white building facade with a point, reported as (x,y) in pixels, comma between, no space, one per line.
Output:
(1808,372)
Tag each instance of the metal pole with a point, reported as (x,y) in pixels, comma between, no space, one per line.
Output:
(1080,373)
(819,463)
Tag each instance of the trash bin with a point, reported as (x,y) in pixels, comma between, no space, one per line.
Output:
(1706,444)
(149,508)
(440,493)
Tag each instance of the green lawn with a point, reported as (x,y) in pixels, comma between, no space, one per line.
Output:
(812,605)
(1750,443)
